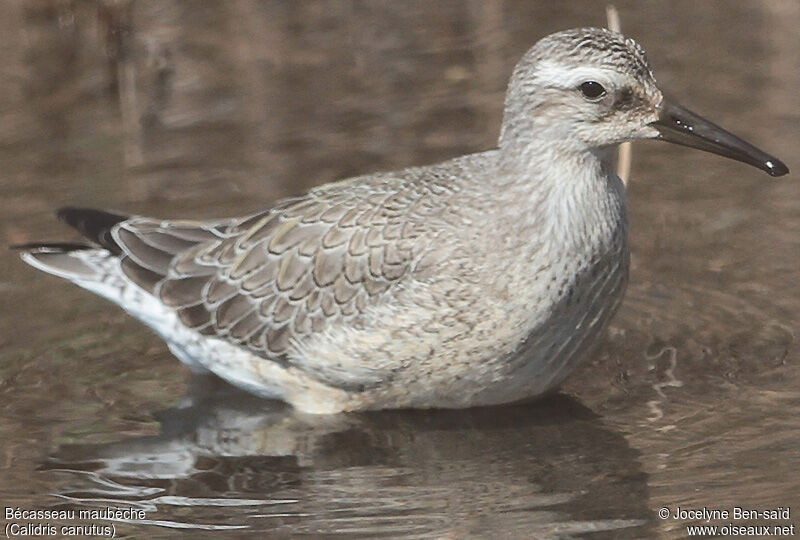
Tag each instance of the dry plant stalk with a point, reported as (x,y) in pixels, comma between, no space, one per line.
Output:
(624,154)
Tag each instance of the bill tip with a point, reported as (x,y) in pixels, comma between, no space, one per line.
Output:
(775,167)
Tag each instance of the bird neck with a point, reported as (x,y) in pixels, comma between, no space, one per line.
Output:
(560,191)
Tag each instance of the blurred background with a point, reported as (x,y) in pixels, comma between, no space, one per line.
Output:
(211,109)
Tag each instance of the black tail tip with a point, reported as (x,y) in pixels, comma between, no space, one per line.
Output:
(88,218)
(94,224)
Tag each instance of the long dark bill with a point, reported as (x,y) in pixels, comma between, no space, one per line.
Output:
(681,126)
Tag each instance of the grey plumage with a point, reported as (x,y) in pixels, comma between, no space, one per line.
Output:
(476,281)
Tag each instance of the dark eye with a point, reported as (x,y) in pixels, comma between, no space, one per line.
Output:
(592,90)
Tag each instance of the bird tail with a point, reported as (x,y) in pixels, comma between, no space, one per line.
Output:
(99,265)
(86,264)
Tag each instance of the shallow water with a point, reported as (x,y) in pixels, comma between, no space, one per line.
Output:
(209,109)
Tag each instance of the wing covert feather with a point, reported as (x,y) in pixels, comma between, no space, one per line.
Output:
(278,275)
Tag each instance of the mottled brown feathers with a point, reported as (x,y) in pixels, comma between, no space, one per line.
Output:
(263,280)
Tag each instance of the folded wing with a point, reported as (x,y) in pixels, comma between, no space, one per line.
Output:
(279,275)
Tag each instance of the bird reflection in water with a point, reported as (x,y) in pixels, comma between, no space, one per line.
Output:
(227,460)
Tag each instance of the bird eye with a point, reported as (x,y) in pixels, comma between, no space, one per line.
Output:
(592,90)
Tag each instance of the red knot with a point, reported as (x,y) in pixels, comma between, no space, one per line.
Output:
(477,281)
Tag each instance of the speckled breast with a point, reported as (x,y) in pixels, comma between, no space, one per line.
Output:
(555,347)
